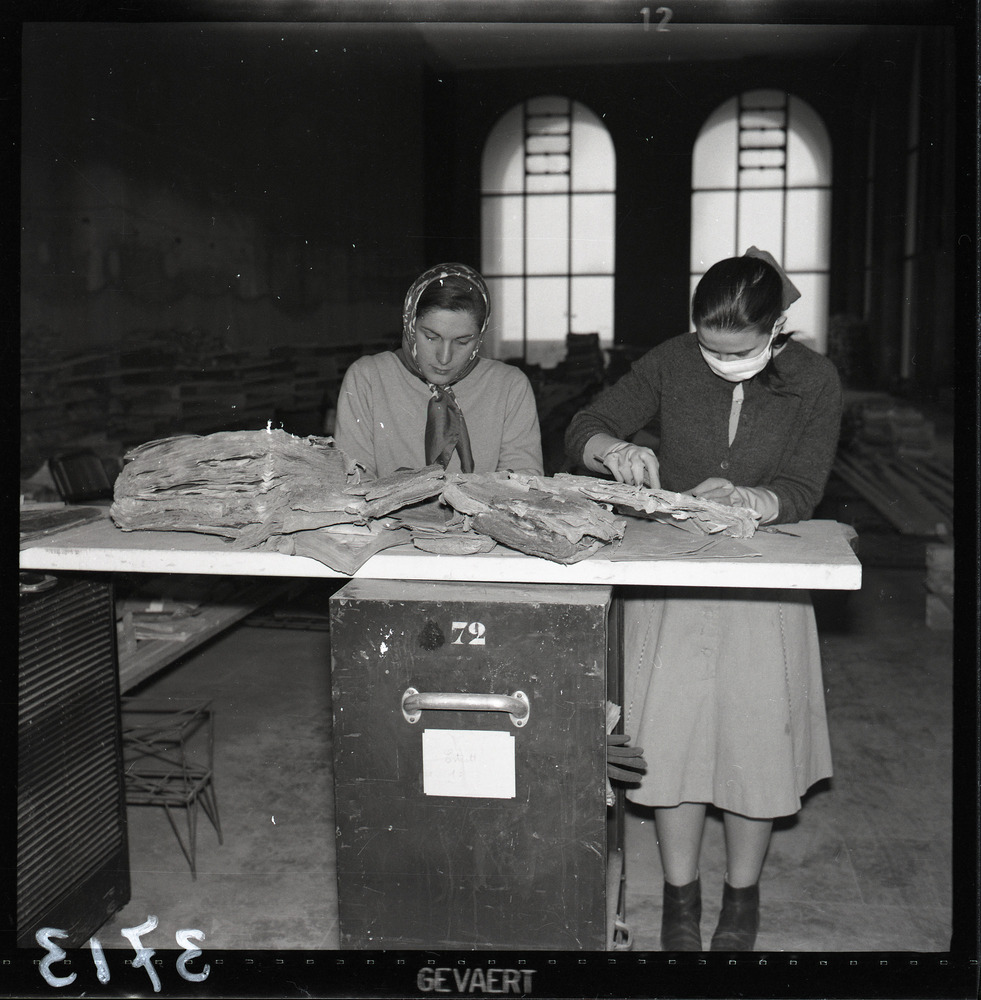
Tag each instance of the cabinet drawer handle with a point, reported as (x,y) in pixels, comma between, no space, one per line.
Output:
(415,702)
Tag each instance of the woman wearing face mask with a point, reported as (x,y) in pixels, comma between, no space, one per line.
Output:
(435,399)
(723,688)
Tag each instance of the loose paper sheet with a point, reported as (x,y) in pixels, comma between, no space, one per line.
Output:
(650,539)
(474,763)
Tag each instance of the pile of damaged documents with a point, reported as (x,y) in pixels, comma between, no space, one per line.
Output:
(271,490)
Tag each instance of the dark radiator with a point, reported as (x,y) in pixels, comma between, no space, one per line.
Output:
(72,852)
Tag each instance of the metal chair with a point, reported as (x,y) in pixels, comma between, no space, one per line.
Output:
(168,760)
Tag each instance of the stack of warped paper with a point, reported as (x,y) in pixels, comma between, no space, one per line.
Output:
(682,509)
(302,496)
(261,489)
(533,520)
(401,489)
(245,485)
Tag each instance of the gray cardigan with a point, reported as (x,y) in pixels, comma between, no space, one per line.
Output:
(786,438)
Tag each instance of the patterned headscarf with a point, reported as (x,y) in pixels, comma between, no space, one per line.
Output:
(446,429)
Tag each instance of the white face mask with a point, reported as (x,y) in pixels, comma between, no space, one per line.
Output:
(740,369)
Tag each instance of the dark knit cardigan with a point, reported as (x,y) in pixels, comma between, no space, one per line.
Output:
(787,433)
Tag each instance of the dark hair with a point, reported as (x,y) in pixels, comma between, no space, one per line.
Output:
(744,293)
(454,293)
(739,293)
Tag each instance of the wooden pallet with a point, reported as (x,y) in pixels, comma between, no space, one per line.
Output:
(914,494)
(940,586)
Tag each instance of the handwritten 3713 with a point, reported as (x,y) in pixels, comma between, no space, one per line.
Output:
(185,939)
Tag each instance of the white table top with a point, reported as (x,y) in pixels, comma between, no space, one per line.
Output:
(817,556)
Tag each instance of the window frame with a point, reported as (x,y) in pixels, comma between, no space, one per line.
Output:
(551,156)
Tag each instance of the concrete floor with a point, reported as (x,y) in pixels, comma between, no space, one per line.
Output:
(865,866)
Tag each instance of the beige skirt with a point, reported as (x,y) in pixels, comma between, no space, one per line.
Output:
(723,690)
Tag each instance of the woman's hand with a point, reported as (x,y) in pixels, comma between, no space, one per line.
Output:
(715,488)
(758,499)
(633,464)
(764,502)
(629,463)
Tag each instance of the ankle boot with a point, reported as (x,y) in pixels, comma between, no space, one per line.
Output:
(739,919)
(680,917)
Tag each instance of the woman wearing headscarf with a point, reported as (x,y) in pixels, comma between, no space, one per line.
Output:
(435,399)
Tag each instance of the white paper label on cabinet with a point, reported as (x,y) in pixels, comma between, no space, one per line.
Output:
(469,762)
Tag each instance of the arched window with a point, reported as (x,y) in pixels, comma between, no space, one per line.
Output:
(547,228)
(761,176)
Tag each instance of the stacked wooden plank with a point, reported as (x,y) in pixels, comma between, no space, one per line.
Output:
(889,456)
(940,586)
(891,459)
(161,383)
(884,423)
(915,495)
(64,400)
(317,369)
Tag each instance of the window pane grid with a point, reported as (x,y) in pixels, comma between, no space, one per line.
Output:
(548,274)
(542,125)
(547,144)
(762,119)
(550,258)
(775,202)
(756,121)
(547,164)
(760,159)
(754,138)
(788,186)
(606,192)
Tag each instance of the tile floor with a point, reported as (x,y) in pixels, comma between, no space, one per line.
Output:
(865,866)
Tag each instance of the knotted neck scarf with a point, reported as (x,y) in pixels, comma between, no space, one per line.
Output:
(446,428)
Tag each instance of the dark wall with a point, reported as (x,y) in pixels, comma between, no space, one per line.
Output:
(216,218)
(299,175)
(261,180)
(654,113)
(245,186)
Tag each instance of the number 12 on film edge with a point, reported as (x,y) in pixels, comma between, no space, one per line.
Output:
(666,15)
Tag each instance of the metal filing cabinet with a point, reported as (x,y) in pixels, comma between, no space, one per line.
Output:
(470,765)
